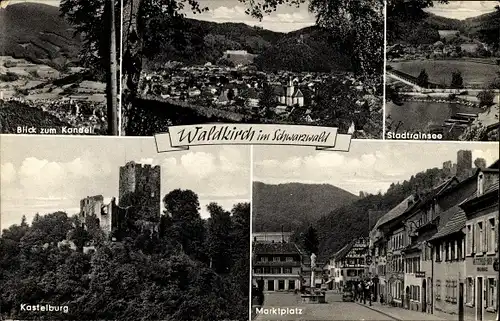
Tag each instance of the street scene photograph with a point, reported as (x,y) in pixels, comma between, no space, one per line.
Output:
(127,235)
(59,64)
(443,69)
(264,62)
(382,232)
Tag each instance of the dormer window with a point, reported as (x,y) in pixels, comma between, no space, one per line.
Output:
(480,184)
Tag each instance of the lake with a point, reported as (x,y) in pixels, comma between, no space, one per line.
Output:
(440,71)
(421,116)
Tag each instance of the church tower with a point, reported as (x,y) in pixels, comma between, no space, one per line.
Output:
(142,180)
(290,90)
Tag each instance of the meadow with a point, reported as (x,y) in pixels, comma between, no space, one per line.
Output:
(440,71)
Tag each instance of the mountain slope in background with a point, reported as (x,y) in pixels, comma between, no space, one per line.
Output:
(36,32)
(307,49)
(294,205)
(423,29)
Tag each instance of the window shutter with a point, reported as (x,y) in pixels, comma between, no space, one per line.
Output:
(485,233)
(474,238)
(496,234)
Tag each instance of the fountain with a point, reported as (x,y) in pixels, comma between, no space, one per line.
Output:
(314,296)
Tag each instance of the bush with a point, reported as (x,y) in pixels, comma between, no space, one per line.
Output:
(9,64)
(8,77)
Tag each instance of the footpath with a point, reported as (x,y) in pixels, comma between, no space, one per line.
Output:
(401,314)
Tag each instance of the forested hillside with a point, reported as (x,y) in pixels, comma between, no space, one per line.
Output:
(191,269)
(294,205)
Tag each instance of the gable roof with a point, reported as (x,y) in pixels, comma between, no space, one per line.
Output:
(397,211)
(275,248)
(454,225)
(297,93)
(344,250)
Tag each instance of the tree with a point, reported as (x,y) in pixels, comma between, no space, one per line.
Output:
(486,98)
(310,241)
(457,82)
(359,24)
(423,79)
(267,100)
(187,227)
(98,51)
(218,238)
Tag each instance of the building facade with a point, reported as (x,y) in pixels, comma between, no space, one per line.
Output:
(349,263)
(277,266)
(481,246)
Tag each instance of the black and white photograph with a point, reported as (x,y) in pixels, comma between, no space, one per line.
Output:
(105,228)
(59,64)
(378,233)
(443,69)
(244,61)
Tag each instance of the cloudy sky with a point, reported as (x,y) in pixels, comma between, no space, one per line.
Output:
(43,174)
(285,19)
(369,166)
(462,9)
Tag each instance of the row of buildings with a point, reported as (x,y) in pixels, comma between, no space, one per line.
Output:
(438,249)
(435,252)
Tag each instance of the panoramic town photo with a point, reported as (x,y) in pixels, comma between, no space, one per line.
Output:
(58,67)
(287,62)
(443,69)
(383,232)
(128,235)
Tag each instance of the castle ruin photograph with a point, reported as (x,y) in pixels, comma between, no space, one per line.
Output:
(127,235)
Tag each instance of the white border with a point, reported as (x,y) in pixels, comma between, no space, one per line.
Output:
(385,64)
(120,90)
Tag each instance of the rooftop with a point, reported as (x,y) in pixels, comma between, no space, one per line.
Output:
(275,248)
(454,225)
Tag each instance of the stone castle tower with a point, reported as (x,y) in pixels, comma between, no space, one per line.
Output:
(143,180)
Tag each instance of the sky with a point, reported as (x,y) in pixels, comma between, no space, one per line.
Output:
(285,19)
(369,166)
(462,9)
(49,2)
(46,174)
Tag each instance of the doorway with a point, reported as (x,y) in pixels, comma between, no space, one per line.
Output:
(424,295)
(479,299)
(270,285)
(407,297)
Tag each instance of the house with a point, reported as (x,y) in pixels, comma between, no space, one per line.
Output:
(251,98)
(349,263)
(379,242)
(276,265)
(481,245)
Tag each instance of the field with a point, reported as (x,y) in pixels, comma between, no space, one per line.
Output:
(440,71)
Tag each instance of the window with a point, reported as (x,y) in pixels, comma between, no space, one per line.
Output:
(438,290)
(460,253)
(469,291)
(490,296)
(491,236)
(438,253)
(287,270)
(480,236)
(468,239)
(480,184)
(276,259)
